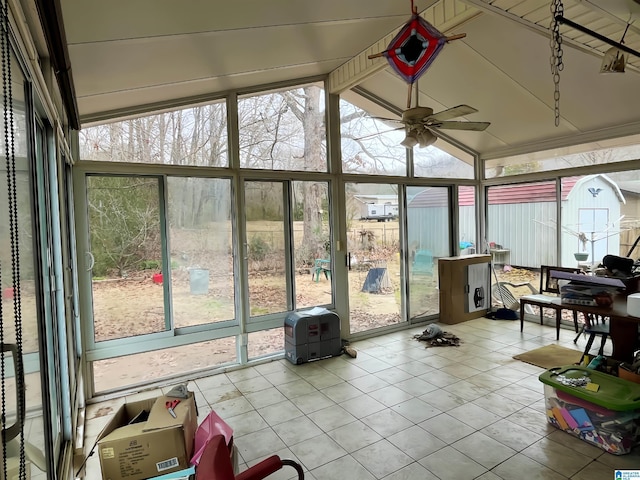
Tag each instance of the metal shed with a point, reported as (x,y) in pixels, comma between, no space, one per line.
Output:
(591,207)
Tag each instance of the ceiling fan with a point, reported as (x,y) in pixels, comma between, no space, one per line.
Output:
(421,122)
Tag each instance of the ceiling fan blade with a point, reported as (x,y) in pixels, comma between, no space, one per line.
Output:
(453,112)
(386,119)
(476,126)
(378,133)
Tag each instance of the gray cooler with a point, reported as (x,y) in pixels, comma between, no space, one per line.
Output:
(311,335)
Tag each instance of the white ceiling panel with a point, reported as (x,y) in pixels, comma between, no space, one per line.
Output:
(128,57)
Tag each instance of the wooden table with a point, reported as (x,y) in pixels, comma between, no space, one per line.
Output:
(623,328)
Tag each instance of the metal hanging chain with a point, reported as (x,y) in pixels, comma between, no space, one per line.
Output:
(9,151)
(3,416)
(557,65)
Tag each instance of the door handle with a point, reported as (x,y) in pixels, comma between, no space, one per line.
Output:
(92,261)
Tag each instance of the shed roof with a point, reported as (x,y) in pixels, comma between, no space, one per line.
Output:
(509,194)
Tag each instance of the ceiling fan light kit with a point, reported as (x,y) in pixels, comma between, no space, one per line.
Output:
(410,140)
(426,138)
(422,137)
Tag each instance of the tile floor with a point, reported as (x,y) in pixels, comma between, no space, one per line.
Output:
(400,411)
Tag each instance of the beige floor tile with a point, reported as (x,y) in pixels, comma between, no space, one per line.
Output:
(341,392)
(393,375)
(264,398)
(416,386)
(520,466)
(510,434)
(331,418)
(416,410)
(318,451)
(354,436)
(400,411)
(450,463)
(416,442)
(362,406)
(246,423)
(474,416)
(312,402)
(595,471)
(467,390)
(387,422)
(496,403)
(296,388)
(447,428)
(368,383)
(344,467)
(390,395)
(412,471)
(483,449)
(557,457)
(443,400)
(258,444)
(280,412)
(382,458)
(297,430)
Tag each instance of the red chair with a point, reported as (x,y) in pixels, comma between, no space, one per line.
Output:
(215,464)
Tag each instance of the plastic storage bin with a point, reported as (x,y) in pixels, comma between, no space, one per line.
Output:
(607,416)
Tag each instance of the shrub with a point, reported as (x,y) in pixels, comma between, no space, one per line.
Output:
(258,248)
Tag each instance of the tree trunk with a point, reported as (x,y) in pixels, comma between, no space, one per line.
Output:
(312,193)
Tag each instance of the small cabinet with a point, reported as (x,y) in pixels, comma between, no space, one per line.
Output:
(465,289)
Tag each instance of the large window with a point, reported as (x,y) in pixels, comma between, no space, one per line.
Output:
(432,162)
(370,145)
(374,264)
(201,250)
(230,236)
(194,136)
(283,130)
(31,403)
(571,157)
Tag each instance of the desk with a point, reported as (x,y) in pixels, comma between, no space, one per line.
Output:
(623,329)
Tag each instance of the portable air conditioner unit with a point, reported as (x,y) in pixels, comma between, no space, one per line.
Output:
(311,335)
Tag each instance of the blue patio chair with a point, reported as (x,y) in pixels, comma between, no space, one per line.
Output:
(422,263)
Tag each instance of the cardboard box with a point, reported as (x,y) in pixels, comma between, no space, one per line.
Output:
(627,375)
(460,280)
(135,450)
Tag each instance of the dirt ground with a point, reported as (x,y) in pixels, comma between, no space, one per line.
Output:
(134,306)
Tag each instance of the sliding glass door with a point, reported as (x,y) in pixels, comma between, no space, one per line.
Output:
(428,238)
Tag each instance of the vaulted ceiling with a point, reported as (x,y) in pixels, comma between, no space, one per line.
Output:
(128,57)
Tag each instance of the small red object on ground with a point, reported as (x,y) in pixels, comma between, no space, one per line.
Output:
(157,278)
(8,293)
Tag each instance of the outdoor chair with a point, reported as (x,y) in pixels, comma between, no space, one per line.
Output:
(548,297)
(503,293)
(215,464)
(321,266)
(594,325)
(422,263)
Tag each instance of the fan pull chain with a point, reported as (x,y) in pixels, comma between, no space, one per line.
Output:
(557,65)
